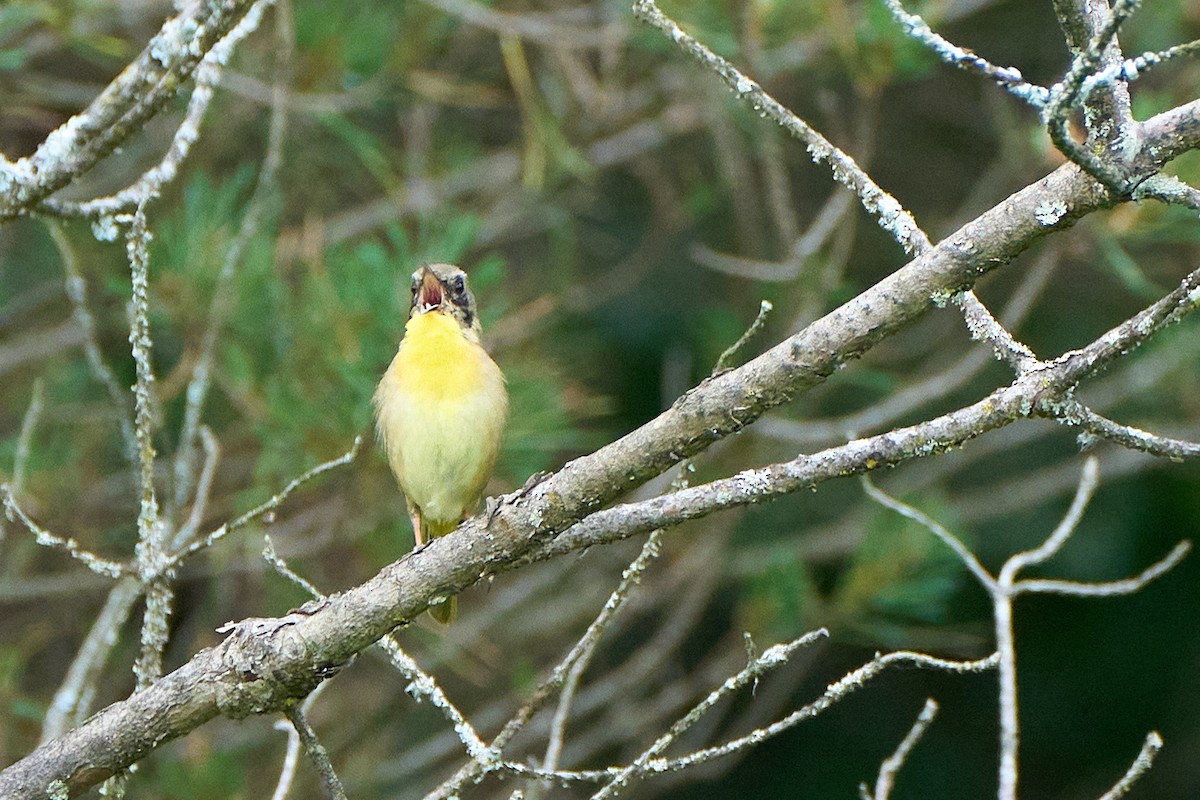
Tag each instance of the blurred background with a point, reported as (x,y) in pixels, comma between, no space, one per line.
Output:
(621,217)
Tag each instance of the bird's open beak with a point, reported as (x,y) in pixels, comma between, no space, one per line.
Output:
(430,295)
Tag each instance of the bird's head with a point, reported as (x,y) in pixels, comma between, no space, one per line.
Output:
(442,289)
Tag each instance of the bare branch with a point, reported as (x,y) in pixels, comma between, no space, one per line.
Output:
(137,246)
(834,693)
(101,566)
(1008,78)
(1088,481)
(888,212)
(292,757)
(772,657)
(265,508)
(77,293)
(316,752)
(1139,767)
(631,576)
(222,299)
(1100,427)
(151,183)
(1109,588)
(133,97)
(892,764)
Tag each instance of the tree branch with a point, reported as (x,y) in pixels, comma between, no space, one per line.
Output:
(133,97)
(266,662)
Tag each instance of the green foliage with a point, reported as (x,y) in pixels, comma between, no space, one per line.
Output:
(885,53)
(12,661)
(901,575)
(205,774)
(305,346)
(540,423)
(368,149)
(17,19)
(361,38)
(1121,265)
(781,597)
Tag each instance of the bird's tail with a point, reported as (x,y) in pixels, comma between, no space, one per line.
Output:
(446,611)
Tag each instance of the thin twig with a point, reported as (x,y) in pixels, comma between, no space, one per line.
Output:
(725,360)
(1133,68)
(892,764)
(834,693)
(1089,479)
(137,246)
(1008,78)
(631,576)
(984,327)
(1100,427)
(222,299)
(33,413)
(1064,94)
(580,653)
(76,288)
(1108,588)
(1006,587)
(150,552)
(1139,767)
(279,565)
(888,212)
(212,453)
(936,528)
(825,224)
(264,508)
(316,753)
(291,757)
(73,699)
(97,564)
(423,685)
(771,658)
(1168,189)
(548,29)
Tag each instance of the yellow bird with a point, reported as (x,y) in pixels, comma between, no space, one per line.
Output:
(440,408)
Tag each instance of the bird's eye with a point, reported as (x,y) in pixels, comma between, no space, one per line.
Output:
(458,286)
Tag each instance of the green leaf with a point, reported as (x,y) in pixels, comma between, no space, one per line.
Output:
(901,574)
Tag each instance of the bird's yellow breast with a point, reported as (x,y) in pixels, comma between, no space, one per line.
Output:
(437,362)
(441,408)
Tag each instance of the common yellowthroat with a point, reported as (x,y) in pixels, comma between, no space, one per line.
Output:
(440,408)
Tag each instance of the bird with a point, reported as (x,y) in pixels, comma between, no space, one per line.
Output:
(441,408)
